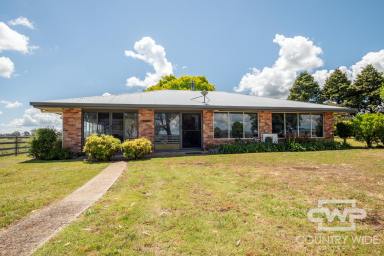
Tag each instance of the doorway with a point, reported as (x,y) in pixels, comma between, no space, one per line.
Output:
(191,130)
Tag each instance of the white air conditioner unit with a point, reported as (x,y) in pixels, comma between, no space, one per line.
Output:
(273,137)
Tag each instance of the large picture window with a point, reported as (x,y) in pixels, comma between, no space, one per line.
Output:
(119,124)
(235,125)
(297,125)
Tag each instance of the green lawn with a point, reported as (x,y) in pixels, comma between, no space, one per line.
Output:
(26,185)
(246,204)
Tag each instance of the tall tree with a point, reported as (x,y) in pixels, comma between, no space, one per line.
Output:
(336,87)
(305,88)
(365,91)
(171,82)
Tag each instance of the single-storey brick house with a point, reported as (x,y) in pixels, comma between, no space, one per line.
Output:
(174,119)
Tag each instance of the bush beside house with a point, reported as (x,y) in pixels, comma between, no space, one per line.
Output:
(137,148)
(240,146)
(101,147)
(46,145)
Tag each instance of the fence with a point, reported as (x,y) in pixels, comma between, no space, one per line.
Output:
(14,145)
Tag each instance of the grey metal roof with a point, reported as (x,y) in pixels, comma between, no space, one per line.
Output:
(172,99)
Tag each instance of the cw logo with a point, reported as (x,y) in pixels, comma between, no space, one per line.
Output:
(351,213)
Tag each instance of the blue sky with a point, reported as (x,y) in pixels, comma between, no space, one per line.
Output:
(77,47)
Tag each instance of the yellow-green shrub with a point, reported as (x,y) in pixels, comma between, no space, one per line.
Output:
(137,148)
(101,147)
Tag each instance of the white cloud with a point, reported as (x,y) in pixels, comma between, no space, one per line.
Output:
(374,58)
(147,50)
(296,54)
(11,40)
(22,21)
(33,118)
(321,75)
(1,112)
(6,67)
(106,94)
(10,104)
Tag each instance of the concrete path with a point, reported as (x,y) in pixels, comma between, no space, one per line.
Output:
(25,236)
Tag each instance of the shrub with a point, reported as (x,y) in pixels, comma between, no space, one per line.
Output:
(290,145)
(46,145)
(344,130)
(137,148)
(366,127)
(380,127)
(101,147)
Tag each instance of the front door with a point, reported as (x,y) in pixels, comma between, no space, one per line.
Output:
(191,130)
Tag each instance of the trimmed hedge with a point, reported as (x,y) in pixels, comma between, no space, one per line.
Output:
(288,146)
(136,148)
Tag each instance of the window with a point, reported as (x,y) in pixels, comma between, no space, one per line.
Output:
(305,125)
(90,124)
(235,125)
(278,124)
(167,123)
(317,125)
(291,125)
(103,123)
(250,125)
(130,125)
(120,125)
(221,125)
(294,125)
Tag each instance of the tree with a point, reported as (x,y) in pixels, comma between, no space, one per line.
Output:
(366,127)
(171,82)
(336,87)
(344,130)
(305,88)
(382,92)
(365,91)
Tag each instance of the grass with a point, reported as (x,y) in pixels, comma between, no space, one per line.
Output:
(245,204)
(357,144)
(26,185)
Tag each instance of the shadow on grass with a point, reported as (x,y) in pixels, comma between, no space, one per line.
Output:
(36,161)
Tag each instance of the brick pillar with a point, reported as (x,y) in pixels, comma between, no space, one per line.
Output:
(207,128)
(265,122)
(147,124)
(72,129)
(328,125)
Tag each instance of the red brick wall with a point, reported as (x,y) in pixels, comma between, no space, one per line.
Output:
(265,122)
(207,128)
(147,123)
(328,125)
(72,129)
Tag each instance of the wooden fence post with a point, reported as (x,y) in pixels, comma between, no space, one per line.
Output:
(16,145)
